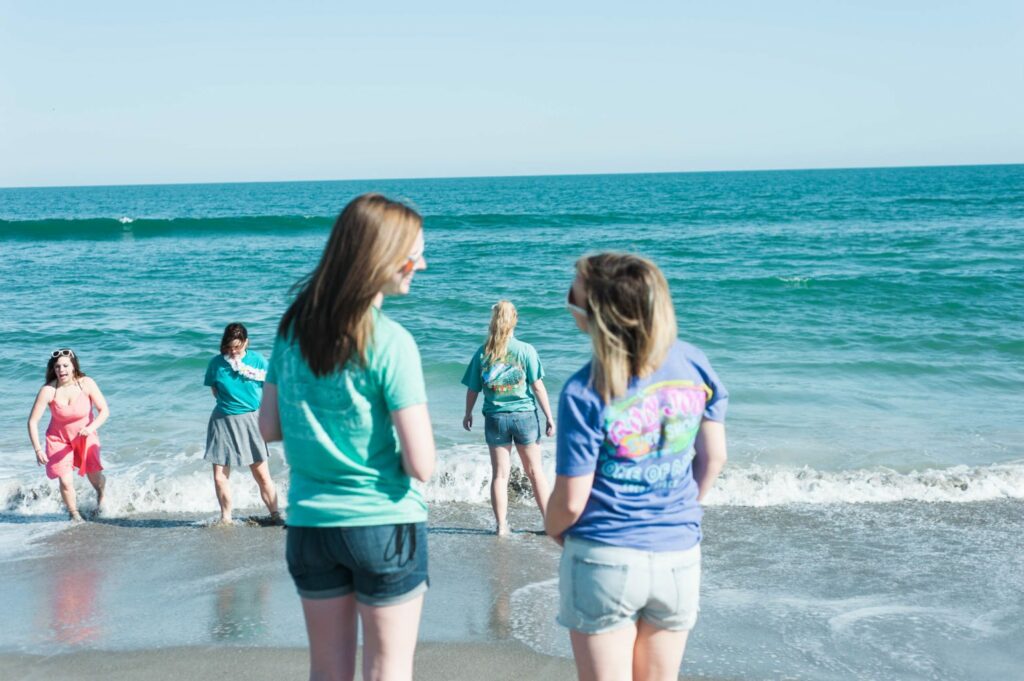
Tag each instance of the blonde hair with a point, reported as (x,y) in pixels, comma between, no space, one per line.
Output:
(503,321)
(330,317)
(630,318)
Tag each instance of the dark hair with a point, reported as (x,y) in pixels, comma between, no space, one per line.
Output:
(51,371)
(235,331)
(330,317)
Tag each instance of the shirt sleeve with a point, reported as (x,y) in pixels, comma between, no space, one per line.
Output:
(211,373)
(472,379)
(401,373)
(534,369)
(580,431)
(718,402)
(275,359)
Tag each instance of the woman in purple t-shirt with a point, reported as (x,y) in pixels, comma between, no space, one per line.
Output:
(641,440)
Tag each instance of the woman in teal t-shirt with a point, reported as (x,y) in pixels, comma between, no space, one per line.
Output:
(508,372)
(233,439)
(345,393)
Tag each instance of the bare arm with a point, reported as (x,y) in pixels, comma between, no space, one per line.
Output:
(710,455)
(416,438)
(542,399)
(100,403)
(38,407)
(270,417)
(467,420)
(566,504)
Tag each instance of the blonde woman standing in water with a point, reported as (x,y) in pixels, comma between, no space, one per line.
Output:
(641,441)
(508,372)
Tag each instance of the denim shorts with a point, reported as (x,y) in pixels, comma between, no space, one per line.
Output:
(521,427)
(382,564)
(602,587)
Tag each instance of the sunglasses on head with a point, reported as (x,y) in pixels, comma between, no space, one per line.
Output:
(62,353)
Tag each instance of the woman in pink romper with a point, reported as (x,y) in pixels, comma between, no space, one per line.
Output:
(71,440)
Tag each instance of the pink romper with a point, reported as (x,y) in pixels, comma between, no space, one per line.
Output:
(64,448)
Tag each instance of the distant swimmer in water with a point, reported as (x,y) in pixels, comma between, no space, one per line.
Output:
(233,437)
(71,439)
(508,372)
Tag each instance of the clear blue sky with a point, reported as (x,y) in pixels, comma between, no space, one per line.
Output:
(139,92)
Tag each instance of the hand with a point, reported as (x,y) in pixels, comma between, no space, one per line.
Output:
(467,422)
(86,431)
(560,540)
(41,457)
(550,429)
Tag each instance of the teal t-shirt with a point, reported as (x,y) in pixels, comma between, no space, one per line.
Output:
(344,455)
(505,384)
(237,393)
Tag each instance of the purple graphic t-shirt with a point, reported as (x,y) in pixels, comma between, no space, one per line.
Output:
(640,450)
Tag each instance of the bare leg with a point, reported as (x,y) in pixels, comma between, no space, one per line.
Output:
(500,466)
(389,639)
(99,483)
(531,457)
(223,489)
(67,493)
(604,657)
(331,627)
(268,492)
(658,653)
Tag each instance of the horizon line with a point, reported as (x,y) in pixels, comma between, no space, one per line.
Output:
(522,175)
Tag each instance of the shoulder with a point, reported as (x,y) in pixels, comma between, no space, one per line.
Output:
(216,361)
(88,384)
(255,359)
(523,347)
(48,390)
(579,387)
(389,336)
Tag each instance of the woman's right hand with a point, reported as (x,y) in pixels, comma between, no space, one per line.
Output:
(467,422)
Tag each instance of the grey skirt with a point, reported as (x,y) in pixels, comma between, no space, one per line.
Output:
(234,440)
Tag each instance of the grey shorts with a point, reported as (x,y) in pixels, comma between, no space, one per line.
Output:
(602,588)
(521,427)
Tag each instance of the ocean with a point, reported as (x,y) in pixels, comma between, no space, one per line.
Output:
(869,324)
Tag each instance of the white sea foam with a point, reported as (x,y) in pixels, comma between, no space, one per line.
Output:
(182,484)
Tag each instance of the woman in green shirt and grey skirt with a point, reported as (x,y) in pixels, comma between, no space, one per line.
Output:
(508,372)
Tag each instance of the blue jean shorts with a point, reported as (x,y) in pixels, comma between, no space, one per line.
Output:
(382,564)
(521,427)
(602,588)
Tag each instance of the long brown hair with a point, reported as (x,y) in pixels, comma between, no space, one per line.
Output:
(330,316)
(630,318)
(503,322)
(51,370)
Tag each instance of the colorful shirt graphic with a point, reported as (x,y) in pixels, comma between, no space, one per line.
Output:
(505,384)
(640,450)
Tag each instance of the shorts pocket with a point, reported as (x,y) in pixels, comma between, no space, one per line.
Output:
(598,588)
(687,582)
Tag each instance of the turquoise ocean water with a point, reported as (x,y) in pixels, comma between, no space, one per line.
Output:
(869,324)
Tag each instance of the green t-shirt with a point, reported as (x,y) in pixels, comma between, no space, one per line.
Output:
(505,384)
(236,393)
(346,465)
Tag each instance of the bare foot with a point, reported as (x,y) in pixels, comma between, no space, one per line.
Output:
(224,521)
(75,517)
(503,531)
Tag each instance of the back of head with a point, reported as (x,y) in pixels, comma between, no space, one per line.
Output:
(330,317)
(503,322)
(630,318)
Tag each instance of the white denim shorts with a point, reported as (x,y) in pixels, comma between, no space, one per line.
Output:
(603,587)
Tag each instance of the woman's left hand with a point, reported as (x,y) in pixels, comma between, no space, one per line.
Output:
(86,431)
(550,429)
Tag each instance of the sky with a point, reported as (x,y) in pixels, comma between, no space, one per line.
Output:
(140,93)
